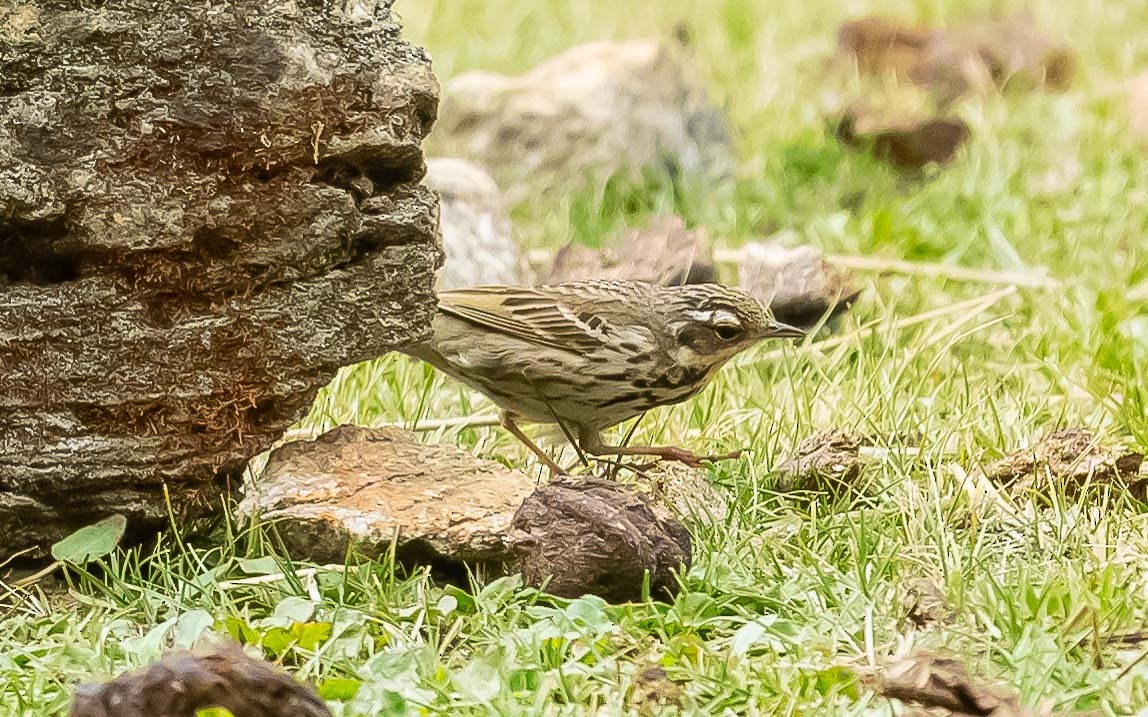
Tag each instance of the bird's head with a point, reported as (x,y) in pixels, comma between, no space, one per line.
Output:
(712,323)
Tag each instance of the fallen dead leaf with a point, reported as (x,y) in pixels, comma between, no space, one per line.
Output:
(664,253)
(1015,51)
(654,691)
(880,46)
(1071,459)
(941,682)
(926,603)
(829,460)
(797,284)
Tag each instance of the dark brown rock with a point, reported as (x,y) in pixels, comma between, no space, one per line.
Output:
(370,487)
(591,535)
(205,211)
(183,683)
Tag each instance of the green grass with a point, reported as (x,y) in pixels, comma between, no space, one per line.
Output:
(788,596)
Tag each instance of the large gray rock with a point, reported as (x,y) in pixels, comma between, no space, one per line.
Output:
(596,109)
(205,211)
(476,231)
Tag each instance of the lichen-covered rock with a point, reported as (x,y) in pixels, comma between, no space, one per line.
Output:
(580,536)
(597,109)
(366,487)
(476,231)
(205,211)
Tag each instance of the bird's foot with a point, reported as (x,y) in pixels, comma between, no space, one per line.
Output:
(694,460)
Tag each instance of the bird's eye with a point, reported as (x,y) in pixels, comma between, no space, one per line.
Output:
(725,332)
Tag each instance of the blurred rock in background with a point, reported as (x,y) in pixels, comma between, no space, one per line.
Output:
(969,58)
(909,141)
(665,252)
(903,80)
(797,284)
(476,232)
(601,109)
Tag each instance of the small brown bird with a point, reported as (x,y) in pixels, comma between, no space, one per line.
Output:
(589,355)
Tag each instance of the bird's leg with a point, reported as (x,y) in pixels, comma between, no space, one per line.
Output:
(591,442)
(508,423)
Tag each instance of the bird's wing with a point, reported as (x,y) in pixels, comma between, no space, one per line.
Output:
(538,316)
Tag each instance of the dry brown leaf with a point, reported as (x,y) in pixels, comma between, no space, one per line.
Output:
(797,284)
(664,253)
(926,603)
(184,683)
(1072,459)
(941,682)
(829,460)
(882,46)
(654,691)
(1014,50)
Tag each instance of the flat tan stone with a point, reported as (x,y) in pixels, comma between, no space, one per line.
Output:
(368,486)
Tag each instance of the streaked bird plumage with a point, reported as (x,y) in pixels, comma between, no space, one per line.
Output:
(592,354)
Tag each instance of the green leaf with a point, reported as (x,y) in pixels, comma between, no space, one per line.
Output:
(464,601)
(291,610)
(190,626)
(752,634)
(267,565)
(308,635)
(339,688)
(240,631)
(276,640)
(94,541)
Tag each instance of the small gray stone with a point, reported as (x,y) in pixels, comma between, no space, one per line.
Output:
(476,232)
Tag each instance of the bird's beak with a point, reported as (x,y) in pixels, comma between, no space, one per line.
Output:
(778,330)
